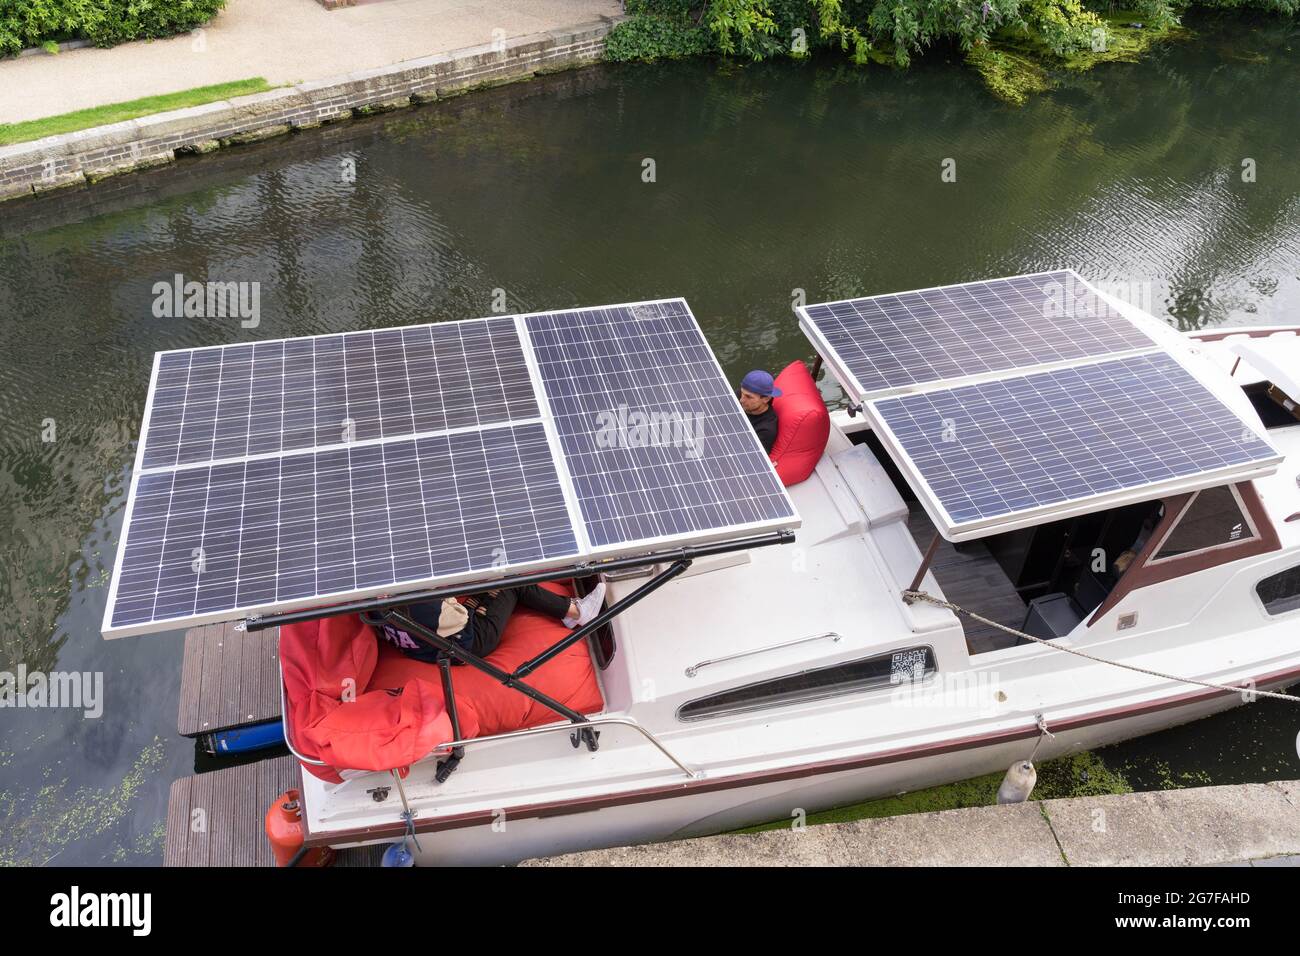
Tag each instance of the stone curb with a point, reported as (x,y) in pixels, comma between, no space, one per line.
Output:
(1205,826)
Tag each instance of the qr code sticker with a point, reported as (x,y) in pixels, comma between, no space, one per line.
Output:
(907,666)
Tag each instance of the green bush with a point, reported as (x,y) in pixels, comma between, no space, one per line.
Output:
(653,36)
(1063,25)
(29,23)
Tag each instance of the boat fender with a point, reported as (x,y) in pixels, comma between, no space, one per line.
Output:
(1019,782)
(397,855)
(284,830)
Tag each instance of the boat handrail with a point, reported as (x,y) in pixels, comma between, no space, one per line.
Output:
(284,713)
(570,725)
(527,732)
(695,668)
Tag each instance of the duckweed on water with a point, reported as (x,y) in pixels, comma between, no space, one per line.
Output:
(35,829)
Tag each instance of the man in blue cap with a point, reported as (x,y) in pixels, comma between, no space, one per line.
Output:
(757,389)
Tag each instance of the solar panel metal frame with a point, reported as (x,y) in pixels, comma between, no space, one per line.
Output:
(858,393)
(650,548)
(1014,520)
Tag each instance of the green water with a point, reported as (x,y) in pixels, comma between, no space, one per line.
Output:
(768,180)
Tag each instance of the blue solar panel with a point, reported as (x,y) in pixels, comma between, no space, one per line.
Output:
(231,401)
(316,525)
(995,449)
(282,474)
(653,437)
(887,342)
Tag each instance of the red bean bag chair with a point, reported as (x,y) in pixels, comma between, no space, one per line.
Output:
(357,703)
(803,425)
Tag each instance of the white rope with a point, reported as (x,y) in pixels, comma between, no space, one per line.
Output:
(910,596)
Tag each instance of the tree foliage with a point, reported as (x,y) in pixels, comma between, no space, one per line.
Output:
(761,29)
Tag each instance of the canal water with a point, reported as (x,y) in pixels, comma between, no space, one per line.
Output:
(767,180)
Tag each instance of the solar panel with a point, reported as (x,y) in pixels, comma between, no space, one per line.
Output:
(302,472)
(654,439)
(343,521)
(885,343)
(1121,430)
(230,401)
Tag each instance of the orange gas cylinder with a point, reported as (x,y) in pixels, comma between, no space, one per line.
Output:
(284,830)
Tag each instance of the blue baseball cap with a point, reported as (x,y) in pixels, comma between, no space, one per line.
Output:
(760,383)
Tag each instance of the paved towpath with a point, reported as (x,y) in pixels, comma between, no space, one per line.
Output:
(284,41)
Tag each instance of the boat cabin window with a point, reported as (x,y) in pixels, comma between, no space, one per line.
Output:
(1280,592)
(897,667)
(1214,518)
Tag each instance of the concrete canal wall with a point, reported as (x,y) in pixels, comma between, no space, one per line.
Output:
(86,156)
(1242,824)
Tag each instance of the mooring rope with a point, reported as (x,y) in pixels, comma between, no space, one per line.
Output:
(910,596)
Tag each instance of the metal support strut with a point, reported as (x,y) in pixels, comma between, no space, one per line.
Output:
(448,766)
(399,617)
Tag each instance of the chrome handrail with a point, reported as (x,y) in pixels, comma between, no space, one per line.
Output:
(528,732)
(284,712)
(594,722)
(695,668)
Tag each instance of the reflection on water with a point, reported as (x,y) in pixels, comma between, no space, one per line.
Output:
(769,179)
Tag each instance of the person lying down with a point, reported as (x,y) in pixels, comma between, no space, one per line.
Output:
(477,625)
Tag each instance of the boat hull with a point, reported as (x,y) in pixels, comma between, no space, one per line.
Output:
(691,813)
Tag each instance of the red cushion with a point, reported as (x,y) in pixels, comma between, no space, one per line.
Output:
(803,424)
(397,714)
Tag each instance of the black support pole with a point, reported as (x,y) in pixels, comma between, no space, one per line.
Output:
(446,768)
(453,649)
(615,609)
(259,622)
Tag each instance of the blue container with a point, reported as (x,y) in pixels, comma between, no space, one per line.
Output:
(244,739)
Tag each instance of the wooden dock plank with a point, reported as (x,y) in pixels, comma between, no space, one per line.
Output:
(229,679)
(187,717)
(234,802)
(269,657)
(203,818)
(178,822)
(232,673)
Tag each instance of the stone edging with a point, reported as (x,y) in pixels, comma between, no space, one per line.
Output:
(87,156)
(1204,826)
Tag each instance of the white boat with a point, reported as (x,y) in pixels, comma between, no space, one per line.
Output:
(771,683)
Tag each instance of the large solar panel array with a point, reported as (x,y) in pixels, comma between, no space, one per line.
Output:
(994,450)
(888,342)
(648,425)
(300,472)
